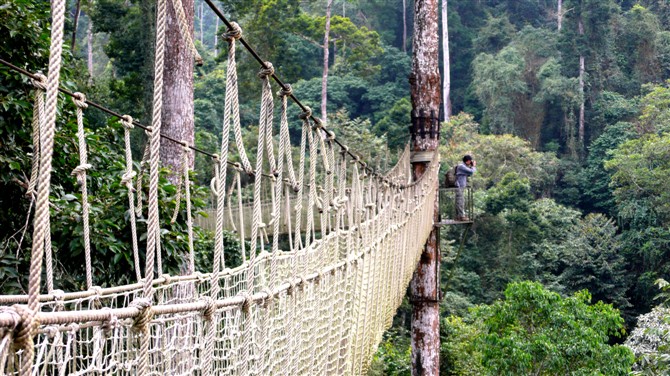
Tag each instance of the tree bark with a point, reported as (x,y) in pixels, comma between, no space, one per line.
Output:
(581,88)
(446,84)
(77,13)
(559,14)
(89,48)
(177,91)
(324,81)
(216,37)
(425,93)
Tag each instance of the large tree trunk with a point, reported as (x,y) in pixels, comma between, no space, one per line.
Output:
(559,14)
(425,92)
(89,48)
(177,91)
(324,81)
(581,89)
(446,83)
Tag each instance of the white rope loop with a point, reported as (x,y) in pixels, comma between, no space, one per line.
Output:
(185,30)
(127,180)
(41,220)
(79,100)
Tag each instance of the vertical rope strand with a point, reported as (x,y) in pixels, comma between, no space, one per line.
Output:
(127,180)
(80,172)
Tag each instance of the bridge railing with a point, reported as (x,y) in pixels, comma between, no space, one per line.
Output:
(448,205)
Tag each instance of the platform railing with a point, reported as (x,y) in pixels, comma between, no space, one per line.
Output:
(448,213)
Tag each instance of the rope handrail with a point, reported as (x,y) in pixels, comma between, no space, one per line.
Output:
(136,123)
(326,298)
(286,88)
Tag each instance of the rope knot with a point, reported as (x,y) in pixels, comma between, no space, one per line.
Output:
(127,122)
(266,71)
(210,308)
(317,124)
(79,172)
(306,113)
(111,323)
(40,81)
(330,135)
(233,33)
(80,100)
(286,91)
(144,315)
(238,167)
(16,317)
(59,296)
(51,330)
(25,326)
(167,279)
(267,302)
(127,179)
(291,287)
(246,304)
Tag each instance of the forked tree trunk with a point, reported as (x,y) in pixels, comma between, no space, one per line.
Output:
(425,93)
(324,81)
(581,89)
(446,83)
(177,91)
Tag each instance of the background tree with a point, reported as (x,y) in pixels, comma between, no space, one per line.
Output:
(518,335)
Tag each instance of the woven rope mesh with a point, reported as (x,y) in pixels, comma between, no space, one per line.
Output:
(319,307)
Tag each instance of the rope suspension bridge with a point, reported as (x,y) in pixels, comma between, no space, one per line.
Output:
(319,307)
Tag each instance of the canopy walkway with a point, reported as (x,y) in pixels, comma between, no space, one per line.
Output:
(318,307)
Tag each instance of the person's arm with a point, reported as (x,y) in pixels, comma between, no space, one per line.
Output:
(467,170)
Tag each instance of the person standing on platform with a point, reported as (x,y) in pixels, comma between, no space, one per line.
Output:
(463,170)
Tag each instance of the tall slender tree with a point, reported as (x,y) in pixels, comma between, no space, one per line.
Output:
(425,93)
(580,25)
(324,82)
(446,76)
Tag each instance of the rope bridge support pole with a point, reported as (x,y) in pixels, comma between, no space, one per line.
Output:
(425,92)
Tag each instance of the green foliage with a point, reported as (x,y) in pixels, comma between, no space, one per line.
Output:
(496,155)
(593,261)
(535,331)
(655,110)
(511,193)
(393,356)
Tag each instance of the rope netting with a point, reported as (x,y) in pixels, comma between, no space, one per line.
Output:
(318,307)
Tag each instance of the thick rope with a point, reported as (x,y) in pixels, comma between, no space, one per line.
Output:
(127,180)
(80,172)
(189,215)
(185,30)
(41,220)
(40,83)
